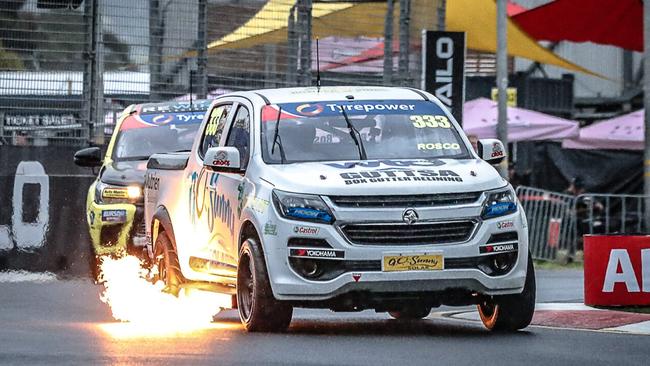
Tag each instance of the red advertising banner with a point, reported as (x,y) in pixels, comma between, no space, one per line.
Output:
(617,269)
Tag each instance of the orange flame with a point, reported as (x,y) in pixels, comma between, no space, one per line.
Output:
(148,309)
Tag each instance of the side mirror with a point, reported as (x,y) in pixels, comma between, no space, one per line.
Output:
(222,159)
(491,150)
(89,157)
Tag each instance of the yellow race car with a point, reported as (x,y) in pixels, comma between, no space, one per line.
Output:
(114,205)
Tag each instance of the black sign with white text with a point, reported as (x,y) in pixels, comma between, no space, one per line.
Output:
(443,74)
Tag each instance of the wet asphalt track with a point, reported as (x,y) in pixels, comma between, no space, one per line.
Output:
(64,322)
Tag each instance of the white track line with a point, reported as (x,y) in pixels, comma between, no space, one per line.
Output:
(24,276)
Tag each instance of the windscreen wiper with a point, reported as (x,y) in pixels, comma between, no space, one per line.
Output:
(356,136)
(277,139)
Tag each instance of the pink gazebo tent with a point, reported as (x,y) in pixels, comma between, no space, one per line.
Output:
(625,132)
(480,119)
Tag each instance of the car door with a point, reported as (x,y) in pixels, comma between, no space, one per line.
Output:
(211,206)
(235,186)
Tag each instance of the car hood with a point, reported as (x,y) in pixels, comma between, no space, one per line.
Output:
(124,173)
(384,177)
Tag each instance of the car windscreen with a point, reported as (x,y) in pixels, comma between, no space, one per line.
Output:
(382,129)
(141,136)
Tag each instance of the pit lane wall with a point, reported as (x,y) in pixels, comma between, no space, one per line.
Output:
(42,211)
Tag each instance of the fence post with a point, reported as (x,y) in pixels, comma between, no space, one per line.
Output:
(388,42)
(292,49)
(98,119)
(442,15)
(155,49)
(304,19)
(270,62)
(89,97)
(404,41)
(201,59)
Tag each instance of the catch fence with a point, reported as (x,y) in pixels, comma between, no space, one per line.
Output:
(557,221)
(67,67)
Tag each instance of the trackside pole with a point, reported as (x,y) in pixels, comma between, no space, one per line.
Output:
(646,104)
(502,81)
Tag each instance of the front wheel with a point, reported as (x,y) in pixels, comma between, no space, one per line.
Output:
(169,269)
(259,311)
(510,312)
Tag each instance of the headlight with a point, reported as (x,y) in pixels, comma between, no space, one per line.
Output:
(106,193)
(499,203)
(303,207)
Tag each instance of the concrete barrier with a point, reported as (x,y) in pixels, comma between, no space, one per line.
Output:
(42,211)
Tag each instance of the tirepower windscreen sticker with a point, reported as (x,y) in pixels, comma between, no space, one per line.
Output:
(162,119)
(352,108)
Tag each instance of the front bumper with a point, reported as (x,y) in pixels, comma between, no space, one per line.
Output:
(113,226)
(287,284)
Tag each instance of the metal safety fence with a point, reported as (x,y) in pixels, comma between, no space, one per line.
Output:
(551,222)
(600,213)
(557,221)
(67,67)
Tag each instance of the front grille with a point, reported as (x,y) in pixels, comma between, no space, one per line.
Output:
(404,234)
(403,201)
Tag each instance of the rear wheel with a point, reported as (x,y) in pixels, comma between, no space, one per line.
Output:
(259,311)
(412,312)
(169,269)
(510,312)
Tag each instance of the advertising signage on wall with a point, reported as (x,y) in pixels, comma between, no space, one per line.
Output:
(443,68)
(617,270)
(38,121)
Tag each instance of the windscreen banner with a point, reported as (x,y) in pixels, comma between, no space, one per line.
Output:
(443,71)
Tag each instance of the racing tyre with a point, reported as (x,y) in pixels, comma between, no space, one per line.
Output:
(413,312)
(510,312)
(169,270)
(259,311)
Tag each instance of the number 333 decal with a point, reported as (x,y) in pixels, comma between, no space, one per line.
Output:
(430,121)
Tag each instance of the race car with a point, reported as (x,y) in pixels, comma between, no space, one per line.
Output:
(347,198)
(114,205)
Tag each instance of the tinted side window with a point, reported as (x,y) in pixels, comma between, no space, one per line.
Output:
(214,128)
(239,135)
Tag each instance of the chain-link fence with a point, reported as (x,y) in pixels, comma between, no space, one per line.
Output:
(67,67)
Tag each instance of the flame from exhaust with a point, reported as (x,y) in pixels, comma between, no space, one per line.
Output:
(148,309)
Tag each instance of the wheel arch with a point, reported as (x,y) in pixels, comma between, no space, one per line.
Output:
(248,229)
(162,222)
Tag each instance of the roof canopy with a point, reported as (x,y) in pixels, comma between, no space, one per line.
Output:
(613,22)
(621,133)
(480,119)
(348,19)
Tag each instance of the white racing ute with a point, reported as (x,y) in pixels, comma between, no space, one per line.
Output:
(347,198)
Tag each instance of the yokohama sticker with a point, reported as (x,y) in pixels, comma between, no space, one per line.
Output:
(317,253)
(499,248)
